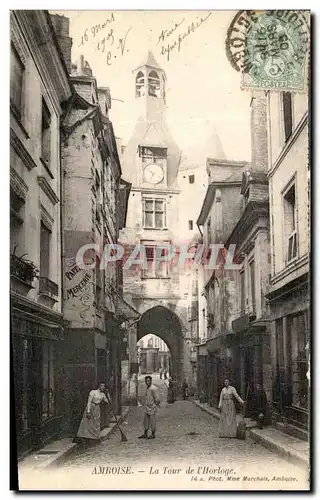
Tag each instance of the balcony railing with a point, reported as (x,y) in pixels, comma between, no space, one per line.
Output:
(23,269)
(48,287)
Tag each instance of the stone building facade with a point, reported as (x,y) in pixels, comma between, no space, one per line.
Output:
(39,86)
(289,294)
(92,204)
(150,163)
(218,216)
(68,323)
(153,355)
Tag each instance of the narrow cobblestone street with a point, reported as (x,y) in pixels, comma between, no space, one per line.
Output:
(186,436)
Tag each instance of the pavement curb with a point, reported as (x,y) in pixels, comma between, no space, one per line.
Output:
(69,449)
(284,451)
(268,442)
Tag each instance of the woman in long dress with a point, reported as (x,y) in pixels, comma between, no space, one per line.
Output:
(228,423)
(89,428)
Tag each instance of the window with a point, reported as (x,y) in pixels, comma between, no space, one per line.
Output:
(290,233)
(154,213)
(152,155)
(242,292)
(287,114)
(48,399)
(252,285)
(150,342)
(46,134)
(45,243)
(16,80)
(191,179)
(190,225)
(154,84)
(140,90)
(16,212)
(155,269)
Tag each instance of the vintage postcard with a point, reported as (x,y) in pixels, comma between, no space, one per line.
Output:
(160,242)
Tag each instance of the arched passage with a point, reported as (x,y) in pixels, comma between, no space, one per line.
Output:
(153,355)
(165,324)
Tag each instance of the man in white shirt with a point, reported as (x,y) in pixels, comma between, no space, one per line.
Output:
(152,402)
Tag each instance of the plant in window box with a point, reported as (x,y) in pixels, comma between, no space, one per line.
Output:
(23,268)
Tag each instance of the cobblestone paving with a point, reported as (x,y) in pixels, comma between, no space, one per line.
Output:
(187,438)
(184,433)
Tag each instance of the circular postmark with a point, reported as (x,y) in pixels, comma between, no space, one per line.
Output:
(270,48)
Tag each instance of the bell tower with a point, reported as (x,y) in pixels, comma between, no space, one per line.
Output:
(151,158)
(150,89)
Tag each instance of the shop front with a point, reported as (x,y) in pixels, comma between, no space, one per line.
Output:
(39,407)
(252,353)
(290,329)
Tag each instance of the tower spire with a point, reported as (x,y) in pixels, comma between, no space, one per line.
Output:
(150,62)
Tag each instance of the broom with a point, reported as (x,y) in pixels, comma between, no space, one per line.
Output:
(123,436)
(241,428)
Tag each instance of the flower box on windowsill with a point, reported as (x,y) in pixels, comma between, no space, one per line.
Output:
(22,269)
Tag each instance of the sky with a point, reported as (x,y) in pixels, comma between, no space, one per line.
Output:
(203,90)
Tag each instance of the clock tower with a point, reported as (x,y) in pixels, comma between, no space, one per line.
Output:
(150,163)
(151,157)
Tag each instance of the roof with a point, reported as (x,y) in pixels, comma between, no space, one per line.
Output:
(209,197)
(150,61)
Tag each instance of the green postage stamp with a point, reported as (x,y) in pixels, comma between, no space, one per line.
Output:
(271,49)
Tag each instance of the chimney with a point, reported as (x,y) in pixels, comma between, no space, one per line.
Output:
(80,65)
(259,136)
(61,27)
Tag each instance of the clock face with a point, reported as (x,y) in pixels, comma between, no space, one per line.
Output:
(153,173)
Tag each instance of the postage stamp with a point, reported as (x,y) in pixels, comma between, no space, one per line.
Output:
(270,48)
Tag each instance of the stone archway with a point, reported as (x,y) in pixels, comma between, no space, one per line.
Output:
(165,324)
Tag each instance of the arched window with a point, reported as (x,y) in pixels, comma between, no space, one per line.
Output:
(154,84)
(140,89)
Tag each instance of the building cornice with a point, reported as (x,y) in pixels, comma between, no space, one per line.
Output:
(290,269)
(45,186)
(286,288)
(155,190)
(18,185)
(285,150)
(21,150)
(253,211)
(44,49)
(24,304)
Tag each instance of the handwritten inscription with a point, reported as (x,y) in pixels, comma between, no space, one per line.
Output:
(95,29)
(106,40)
(166,33)
(176,44)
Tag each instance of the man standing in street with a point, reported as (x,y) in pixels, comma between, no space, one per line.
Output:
(152,402)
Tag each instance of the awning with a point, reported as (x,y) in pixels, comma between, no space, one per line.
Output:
(125,312)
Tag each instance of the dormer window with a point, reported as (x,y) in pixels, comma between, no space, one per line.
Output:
(154,84)
(140,88)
